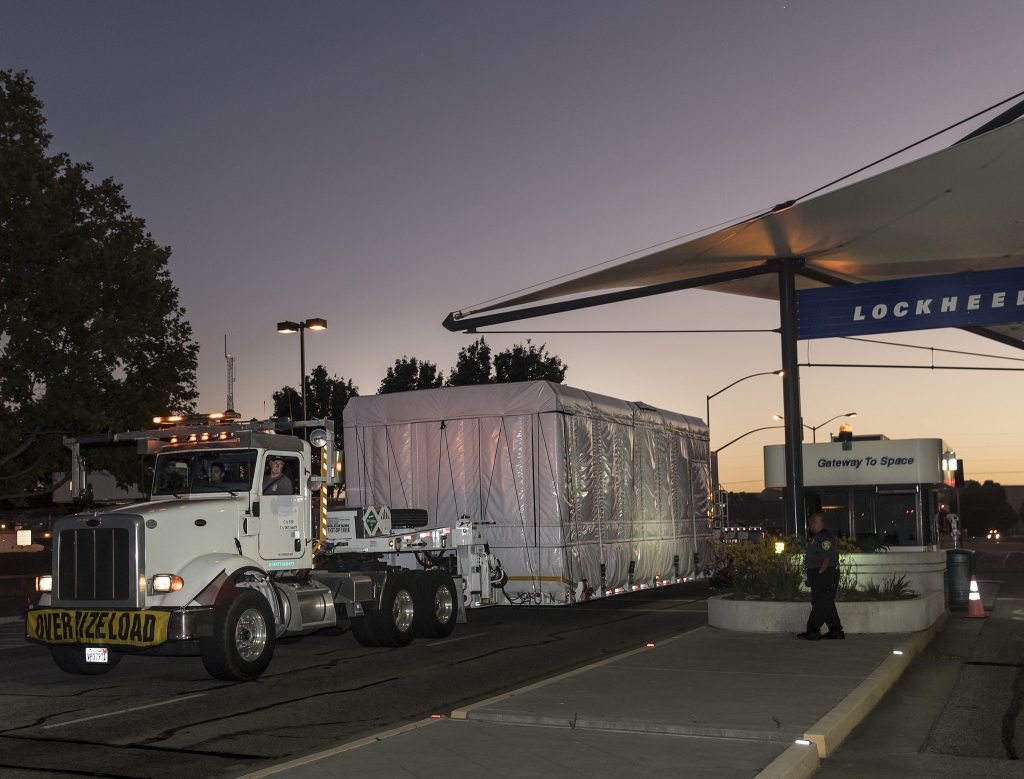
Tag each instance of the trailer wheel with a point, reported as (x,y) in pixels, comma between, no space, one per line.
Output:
(243,639)
(71,659)
(437,604)
(361,630)
(393,624)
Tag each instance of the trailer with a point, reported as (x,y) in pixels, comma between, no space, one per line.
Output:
(576,495)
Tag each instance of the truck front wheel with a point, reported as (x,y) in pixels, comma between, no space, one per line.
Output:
(71,659)
(437,605)
(243,639)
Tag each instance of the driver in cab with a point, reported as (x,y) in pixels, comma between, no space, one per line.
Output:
(275,482)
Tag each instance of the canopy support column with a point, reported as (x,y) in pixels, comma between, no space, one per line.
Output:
(794,495)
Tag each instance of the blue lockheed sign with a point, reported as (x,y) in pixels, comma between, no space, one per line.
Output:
(924,303)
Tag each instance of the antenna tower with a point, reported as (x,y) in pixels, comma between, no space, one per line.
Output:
(230,359)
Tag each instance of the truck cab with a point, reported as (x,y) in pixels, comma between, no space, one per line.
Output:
(222,559)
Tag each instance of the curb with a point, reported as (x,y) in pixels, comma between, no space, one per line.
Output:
(463,713)
(832,729)
(347,747)
(801,761)
(626,726)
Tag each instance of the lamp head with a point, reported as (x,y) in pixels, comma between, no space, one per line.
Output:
(316,323)
(287,327)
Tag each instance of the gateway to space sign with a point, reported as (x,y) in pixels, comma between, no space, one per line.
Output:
(954,300)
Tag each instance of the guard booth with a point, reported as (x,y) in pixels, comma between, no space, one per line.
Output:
(871,485)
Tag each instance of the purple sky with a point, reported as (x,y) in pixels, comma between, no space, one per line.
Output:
(382,163)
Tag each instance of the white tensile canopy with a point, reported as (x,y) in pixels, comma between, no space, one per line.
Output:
(956,210)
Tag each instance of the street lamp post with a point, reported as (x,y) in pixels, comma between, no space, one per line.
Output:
(315,324)
(707,421)
(738,438)
(707,405)
(815,428)
(749,432)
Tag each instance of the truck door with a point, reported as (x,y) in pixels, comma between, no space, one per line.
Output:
(282,507)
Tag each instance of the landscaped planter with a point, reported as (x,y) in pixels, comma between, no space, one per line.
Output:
(887,616)
(924,571)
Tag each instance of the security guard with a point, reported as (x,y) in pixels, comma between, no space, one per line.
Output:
(822,567)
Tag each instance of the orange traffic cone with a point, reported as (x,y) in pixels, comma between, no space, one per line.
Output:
(974,607)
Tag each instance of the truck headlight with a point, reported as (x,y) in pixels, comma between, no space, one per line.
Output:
(44,583)
(167,582)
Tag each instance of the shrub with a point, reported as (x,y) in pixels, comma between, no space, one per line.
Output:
(754,570)
(892,588)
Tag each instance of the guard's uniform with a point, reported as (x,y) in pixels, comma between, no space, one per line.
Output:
(823,585)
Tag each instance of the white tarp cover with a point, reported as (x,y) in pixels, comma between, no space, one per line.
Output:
(955,210)
(563,479)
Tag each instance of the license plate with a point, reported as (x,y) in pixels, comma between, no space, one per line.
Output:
(91,627)
(97,654)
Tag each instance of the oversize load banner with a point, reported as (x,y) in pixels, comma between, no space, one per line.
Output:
(113,628)
(924,303)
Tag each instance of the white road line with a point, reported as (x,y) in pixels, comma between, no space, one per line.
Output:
(453,640)
(123,711)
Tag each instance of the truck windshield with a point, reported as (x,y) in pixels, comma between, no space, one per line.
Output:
(198,472)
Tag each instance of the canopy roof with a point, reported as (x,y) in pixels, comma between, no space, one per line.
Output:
(956,210)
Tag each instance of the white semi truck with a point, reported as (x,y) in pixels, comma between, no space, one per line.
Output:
(237,547)
(539,494)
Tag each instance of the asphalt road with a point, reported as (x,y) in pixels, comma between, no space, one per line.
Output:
(151,716)
(983,715)
(1001,561)
(959,709)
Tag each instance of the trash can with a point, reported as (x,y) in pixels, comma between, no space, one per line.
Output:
(959,569)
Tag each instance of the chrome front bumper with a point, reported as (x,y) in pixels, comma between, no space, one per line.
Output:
(190,623)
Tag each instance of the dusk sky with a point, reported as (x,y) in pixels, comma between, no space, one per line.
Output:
(380,164)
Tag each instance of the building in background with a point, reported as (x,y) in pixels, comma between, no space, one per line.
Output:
(898,490)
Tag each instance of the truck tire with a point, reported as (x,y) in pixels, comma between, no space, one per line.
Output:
(242,643)
(394,623)
(362,632)
(437,604)
(71,659)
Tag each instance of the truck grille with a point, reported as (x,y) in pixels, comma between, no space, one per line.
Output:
(95,564)
(98,561)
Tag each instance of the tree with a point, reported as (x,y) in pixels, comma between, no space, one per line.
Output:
(326,398)
(92,336)
(408,373)
(473,365)
(526,362)
(984,507)
(287,403)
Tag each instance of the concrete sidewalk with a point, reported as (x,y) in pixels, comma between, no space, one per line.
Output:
(708,703)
